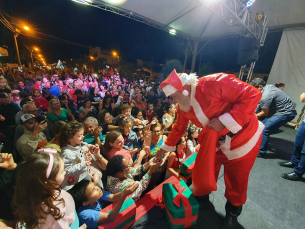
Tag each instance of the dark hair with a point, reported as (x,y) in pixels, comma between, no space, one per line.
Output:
(78,192)
(135,111)
(257,81)
(36,90)
(190,131)
(23,101)
(168,106)
(101,116)
(33,189)
(61,97)
(115,165)
(85,101)
(179,142)
(110,138)
(68,131)
(23,95)
(107,97)
(279,85)
(56,126)
(136,86)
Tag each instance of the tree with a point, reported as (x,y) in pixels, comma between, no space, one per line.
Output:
(206,69)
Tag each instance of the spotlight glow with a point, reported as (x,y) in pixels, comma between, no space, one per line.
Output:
(172,31)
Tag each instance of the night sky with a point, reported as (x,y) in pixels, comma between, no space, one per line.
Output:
(90,26)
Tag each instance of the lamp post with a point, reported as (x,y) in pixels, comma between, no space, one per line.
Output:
(16,34)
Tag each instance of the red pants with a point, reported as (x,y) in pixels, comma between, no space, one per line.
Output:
(236,173)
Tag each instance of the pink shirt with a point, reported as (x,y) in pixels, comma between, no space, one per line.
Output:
(67,210)
(114,151)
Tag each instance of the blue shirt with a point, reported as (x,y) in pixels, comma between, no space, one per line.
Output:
(88,138)
(55,90)
(90,214)
(131,141)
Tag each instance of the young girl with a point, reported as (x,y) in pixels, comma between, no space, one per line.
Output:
(175,159)
(38,199)
(72,153)
(191,142)
(120,174)
(114,146)
(40,101)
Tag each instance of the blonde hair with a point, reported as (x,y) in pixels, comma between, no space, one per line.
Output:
(5,81)
(50,109)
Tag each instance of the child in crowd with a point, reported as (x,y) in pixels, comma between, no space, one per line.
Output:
(72,153)
(15,96)
(98,163)
(150,113)
(120,174)
(126,111)
(191,142)
(175,159)
(114,144)
(39,201)
(131,141)
(89,202)
(40,101)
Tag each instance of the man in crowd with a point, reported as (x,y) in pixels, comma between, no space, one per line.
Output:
(22,87)
(31,109)
(93,133)
(274,109)
(33,137)
(224,107)
(297,161)
(80,98)
(8,110)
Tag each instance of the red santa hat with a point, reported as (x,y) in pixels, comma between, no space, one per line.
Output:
(175,82)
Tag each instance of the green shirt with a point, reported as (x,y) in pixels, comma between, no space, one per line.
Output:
(61,117)
(88,138)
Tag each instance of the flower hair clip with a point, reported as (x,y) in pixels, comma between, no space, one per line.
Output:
(51,153)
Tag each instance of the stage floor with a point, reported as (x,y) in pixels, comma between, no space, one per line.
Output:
(273,202)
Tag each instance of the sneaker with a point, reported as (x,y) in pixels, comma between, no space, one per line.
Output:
(262,155)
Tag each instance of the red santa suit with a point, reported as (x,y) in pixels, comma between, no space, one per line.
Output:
(233,102)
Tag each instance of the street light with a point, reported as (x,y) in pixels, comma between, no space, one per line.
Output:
(16,34)
(26,27)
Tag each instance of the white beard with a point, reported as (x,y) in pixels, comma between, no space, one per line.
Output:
(185,104)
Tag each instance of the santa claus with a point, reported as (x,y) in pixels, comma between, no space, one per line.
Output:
(231,136)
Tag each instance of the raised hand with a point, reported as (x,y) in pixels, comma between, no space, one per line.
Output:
(130,189)
(7,161)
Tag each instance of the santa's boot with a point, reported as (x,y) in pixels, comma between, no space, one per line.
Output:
(232,212)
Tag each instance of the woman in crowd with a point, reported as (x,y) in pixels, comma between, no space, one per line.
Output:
(107,104)
(67,103)
(55,142)
(121,173)
(114,144)
(106,122)
(102,91)
(56,113)
(87,110)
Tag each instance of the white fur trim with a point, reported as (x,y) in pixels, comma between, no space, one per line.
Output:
(188,79)
(228,121)
(197,108)
(169,90)
(168,148)
(246,148)
(185,93)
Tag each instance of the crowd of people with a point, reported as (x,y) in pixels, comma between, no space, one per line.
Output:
(101,133)
(80,141)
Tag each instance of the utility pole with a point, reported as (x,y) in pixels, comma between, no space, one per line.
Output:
(16,34)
